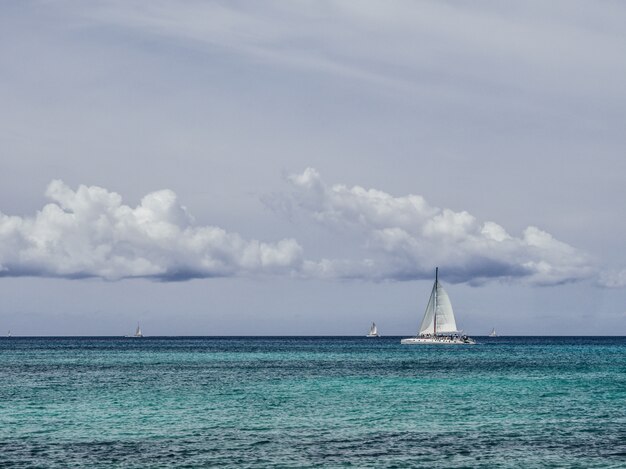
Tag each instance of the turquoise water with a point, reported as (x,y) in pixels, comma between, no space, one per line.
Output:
(325,402)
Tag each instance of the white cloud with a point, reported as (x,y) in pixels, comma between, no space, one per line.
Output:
(405,238)
(91,233)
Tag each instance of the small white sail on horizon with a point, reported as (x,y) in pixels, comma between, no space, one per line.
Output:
(438,325)
(493,333)
(373,331)
(137,335)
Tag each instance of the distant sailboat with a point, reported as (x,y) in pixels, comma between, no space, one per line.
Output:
(9,334)
(493,333)
(438,325)
(373,331)
(138,334)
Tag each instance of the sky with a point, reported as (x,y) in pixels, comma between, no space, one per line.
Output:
(301,168)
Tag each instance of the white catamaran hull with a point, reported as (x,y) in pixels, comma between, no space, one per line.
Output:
(437,341)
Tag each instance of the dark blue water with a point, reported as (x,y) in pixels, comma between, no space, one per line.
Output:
(315,402)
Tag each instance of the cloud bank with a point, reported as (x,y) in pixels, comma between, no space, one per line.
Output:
(91,233)
(404,238)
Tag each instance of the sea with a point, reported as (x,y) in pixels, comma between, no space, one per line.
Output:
(99,402)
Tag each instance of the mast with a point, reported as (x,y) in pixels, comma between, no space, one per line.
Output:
(435,310)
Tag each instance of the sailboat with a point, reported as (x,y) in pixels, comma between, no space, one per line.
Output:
(493,333)
(438,325)
(138,334)
(373,331)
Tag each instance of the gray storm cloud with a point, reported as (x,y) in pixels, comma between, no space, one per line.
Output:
(91,233)
(405,237)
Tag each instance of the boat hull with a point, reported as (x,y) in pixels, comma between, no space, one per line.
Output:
(372,335)
(437,341)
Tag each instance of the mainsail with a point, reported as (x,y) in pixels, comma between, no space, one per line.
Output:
(373,330)
(438,317)
(138,332)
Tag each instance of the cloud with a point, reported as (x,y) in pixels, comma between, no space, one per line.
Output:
(91,233)
(404,238)
(336,37)
(613,279)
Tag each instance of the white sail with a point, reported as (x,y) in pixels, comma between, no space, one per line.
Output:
(445,316)
(427,326)
(138,332)
(373,331)
(439,305)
